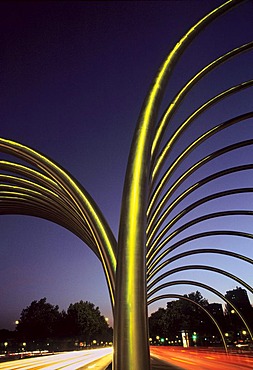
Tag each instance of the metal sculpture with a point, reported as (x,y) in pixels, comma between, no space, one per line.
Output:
(52,193)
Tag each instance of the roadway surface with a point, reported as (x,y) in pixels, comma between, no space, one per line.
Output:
(189,359)
(90,359)
(163,358)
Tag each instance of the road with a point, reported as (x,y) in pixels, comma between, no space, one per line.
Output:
(64,361)
(184,359)
(189,359)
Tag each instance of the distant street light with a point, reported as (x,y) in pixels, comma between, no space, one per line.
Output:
(5,345)
(194,336)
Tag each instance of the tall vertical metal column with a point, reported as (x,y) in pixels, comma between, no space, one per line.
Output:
(131,347)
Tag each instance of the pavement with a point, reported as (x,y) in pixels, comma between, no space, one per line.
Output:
(157,364)
(105,364)
(100,364)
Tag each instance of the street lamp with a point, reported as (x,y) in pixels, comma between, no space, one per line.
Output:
(194,337)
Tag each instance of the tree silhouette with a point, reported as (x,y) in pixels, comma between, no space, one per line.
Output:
(39,320)
(85,321)
(180,315)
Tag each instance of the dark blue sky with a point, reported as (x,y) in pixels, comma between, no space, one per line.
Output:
(73,78)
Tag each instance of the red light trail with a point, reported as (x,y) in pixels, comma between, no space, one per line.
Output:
(191,358)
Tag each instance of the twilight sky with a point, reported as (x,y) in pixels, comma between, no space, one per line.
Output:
(74,75)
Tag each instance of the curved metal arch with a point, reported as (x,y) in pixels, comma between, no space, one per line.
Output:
(51,203)
(22,206)
(40,200)
(30,173)
(56,196)
(154,223)
(6,179)
(180,47)
(194,237)
(88,209)
(151,247)
(152,273)
(32,176)
(12,183)
(158,298)
(204,286)
(172,141)
(187,192)
(199,267)
(42,162)
(194,222)
(153,216)
(153,252)
(19,202)
(39,178)
(171,109)
(154,193)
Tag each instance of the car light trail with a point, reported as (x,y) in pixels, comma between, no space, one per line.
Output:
(66,360)
(203,359)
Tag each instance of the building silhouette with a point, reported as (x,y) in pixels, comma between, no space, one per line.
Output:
(239,298)
(216,310)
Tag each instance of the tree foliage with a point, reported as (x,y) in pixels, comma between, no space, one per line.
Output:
(180,315)
(39,320)
(82,320)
